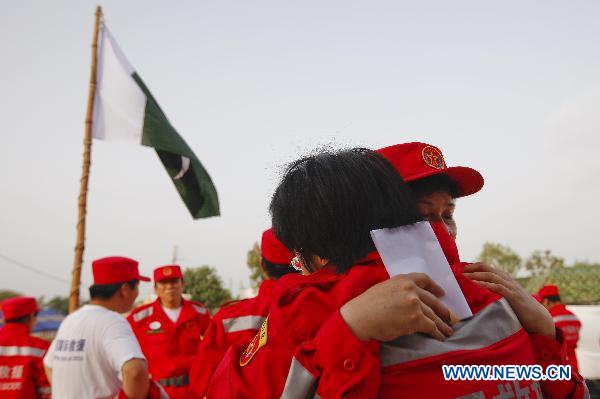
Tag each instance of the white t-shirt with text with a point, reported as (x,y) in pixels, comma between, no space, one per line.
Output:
(87,355)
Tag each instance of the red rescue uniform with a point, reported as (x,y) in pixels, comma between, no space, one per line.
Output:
(170,347)
(234,323)
(305,348)
(569,325)
(21,370)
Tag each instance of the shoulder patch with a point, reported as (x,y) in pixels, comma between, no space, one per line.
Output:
(142,314)
(259,340)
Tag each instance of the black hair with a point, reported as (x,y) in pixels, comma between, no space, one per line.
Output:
(553,298)
(277,270)
(327,204)
(22,320)
(106,291)
(434,184)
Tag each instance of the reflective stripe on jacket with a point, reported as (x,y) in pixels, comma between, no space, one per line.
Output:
(21,370)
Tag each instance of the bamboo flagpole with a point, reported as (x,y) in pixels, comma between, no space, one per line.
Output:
(85,173)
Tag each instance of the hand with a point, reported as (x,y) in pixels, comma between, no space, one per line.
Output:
(404,304)
(533,316)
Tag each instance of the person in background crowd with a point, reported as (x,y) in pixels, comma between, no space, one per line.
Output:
(21,369)
(95,353)
(237,321)
(325,329)
(169,331)
(566,322)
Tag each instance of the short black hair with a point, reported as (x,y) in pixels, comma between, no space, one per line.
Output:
(552,298)
(434,184)
(277,270)
(326,204)
(106,291)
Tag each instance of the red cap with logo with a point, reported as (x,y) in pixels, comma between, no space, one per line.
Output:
(13,308)
(273,250)
(416,161)
(116,269)
(167,272)
(548,290)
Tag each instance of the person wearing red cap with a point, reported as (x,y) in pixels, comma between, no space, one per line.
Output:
(564,319)
(314,341)
(238,321)
(435,185)
(21,369)
(169,331)
(95,353)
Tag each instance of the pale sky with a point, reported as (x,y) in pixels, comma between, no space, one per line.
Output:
(510,88)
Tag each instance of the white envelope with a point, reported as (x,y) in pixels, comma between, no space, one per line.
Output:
(415,249)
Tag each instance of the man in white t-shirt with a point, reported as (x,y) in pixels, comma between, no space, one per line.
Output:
(95,353)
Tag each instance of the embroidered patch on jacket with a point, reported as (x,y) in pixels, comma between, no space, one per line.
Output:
(259,340)
(433,157)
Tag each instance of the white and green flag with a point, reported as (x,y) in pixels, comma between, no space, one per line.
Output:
(124,110)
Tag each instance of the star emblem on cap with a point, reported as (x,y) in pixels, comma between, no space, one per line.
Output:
(167,271)
(433,157)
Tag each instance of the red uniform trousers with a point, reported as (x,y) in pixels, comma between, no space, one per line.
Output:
(21,370)
(305,348)
(235,323)
(569,325)
(170,347)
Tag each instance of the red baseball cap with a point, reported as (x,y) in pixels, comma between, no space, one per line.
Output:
(548,290)
(116,269)
(273,250)
(167,272)
(416,161)
(13,308)
(537,297)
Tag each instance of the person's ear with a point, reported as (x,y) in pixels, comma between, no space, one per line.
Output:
(124,290)
(319,262)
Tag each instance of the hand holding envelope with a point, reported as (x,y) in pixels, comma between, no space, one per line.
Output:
(415,249)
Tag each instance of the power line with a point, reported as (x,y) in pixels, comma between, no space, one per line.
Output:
(32,269)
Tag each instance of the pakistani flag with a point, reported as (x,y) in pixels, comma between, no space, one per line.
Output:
(124,110)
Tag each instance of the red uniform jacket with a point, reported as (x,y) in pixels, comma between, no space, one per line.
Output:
(234,323)
(569,326)
(305,348)
(170,347)
(21,370)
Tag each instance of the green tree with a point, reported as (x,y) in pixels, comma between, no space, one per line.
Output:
(5,294)
(584,264)
(501,257)
(204,285)
(543,262)
(253,262)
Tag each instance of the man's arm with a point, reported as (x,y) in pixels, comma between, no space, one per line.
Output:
(135,379)
(48,371)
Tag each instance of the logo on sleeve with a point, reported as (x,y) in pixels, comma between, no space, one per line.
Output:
(259,340)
